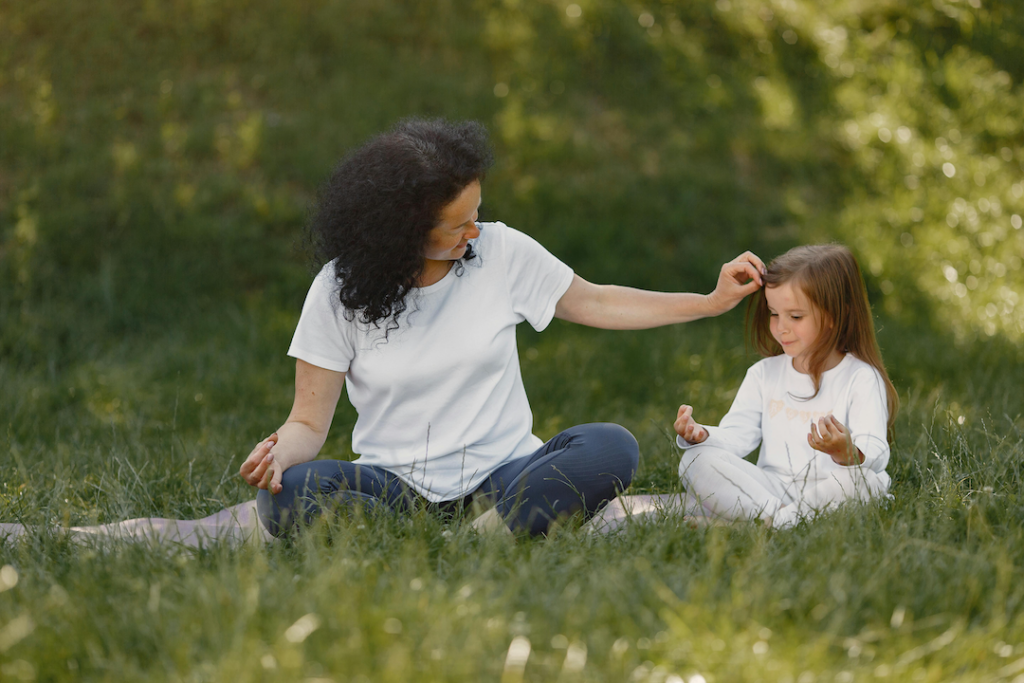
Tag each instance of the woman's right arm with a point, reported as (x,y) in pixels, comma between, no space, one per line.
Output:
(303,434)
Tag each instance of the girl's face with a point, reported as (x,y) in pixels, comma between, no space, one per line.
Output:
(448,240)
(795,322)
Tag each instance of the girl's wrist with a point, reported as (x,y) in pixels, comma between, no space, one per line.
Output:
(849,458)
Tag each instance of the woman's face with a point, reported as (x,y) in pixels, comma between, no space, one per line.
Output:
(448,240)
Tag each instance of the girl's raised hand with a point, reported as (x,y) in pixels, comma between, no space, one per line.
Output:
(687,428)
(258,468)
(830,436)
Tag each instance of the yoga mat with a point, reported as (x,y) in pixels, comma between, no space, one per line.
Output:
(238,524)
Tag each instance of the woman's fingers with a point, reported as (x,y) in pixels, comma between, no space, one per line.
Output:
(274,484)
(751,258)
(737,279)
(751,264)
(744,273)
(254,467)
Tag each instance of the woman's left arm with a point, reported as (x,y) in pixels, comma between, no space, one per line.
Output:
(612,307)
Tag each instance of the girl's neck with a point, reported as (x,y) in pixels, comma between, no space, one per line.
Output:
(834,359)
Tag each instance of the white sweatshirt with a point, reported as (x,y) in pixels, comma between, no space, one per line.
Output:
(768,409)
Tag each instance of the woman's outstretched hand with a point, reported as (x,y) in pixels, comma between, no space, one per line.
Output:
(259,469)
(687,428)
(738,278)
(830,436)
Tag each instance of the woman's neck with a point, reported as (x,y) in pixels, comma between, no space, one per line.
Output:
(433,272)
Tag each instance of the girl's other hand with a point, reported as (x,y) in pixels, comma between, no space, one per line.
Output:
(687,428)
(259,469)
(830,436)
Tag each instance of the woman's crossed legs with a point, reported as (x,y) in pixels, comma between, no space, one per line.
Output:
(580,469)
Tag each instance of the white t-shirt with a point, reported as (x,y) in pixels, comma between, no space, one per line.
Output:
(768,410)
(441,401)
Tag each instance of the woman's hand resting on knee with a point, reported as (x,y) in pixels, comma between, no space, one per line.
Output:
(303,434)
(687,428)
(259,469)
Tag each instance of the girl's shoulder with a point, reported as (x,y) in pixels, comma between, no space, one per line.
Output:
(864,374)
(772,365)
(770,369)
(855,367)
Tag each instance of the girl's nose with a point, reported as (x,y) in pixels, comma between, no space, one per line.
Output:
(473,232)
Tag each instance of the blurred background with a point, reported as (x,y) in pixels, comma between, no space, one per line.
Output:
(158,160)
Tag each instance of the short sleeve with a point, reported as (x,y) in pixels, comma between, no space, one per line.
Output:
(536,279)
(869,418)
(321,338)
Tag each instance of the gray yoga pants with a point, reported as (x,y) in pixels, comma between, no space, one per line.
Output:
(580,469)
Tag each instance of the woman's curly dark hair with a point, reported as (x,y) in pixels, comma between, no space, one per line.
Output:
(374,214)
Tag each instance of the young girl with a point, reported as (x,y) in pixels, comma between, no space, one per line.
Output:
(820,404)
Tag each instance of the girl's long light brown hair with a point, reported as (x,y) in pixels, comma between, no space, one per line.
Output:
(830,278)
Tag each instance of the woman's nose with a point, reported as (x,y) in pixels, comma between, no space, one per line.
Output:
(473,232)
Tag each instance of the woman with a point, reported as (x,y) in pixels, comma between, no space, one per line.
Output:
(416,308)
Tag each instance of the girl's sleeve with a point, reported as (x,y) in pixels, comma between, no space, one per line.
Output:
(869,418)
(739,432)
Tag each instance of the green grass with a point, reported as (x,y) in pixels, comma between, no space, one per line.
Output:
(156,165)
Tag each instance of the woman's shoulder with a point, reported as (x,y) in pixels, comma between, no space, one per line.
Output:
(497,232)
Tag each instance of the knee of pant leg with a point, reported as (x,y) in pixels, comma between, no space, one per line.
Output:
(697,460)
(689,463)
(855,483)
(275,519)
(624,448)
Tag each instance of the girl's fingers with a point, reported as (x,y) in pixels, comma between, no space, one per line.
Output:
(839,426)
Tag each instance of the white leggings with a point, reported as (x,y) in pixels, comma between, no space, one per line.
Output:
(732,488)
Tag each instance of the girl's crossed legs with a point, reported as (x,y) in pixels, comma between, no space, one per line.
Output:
(732,488)
(582,468)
